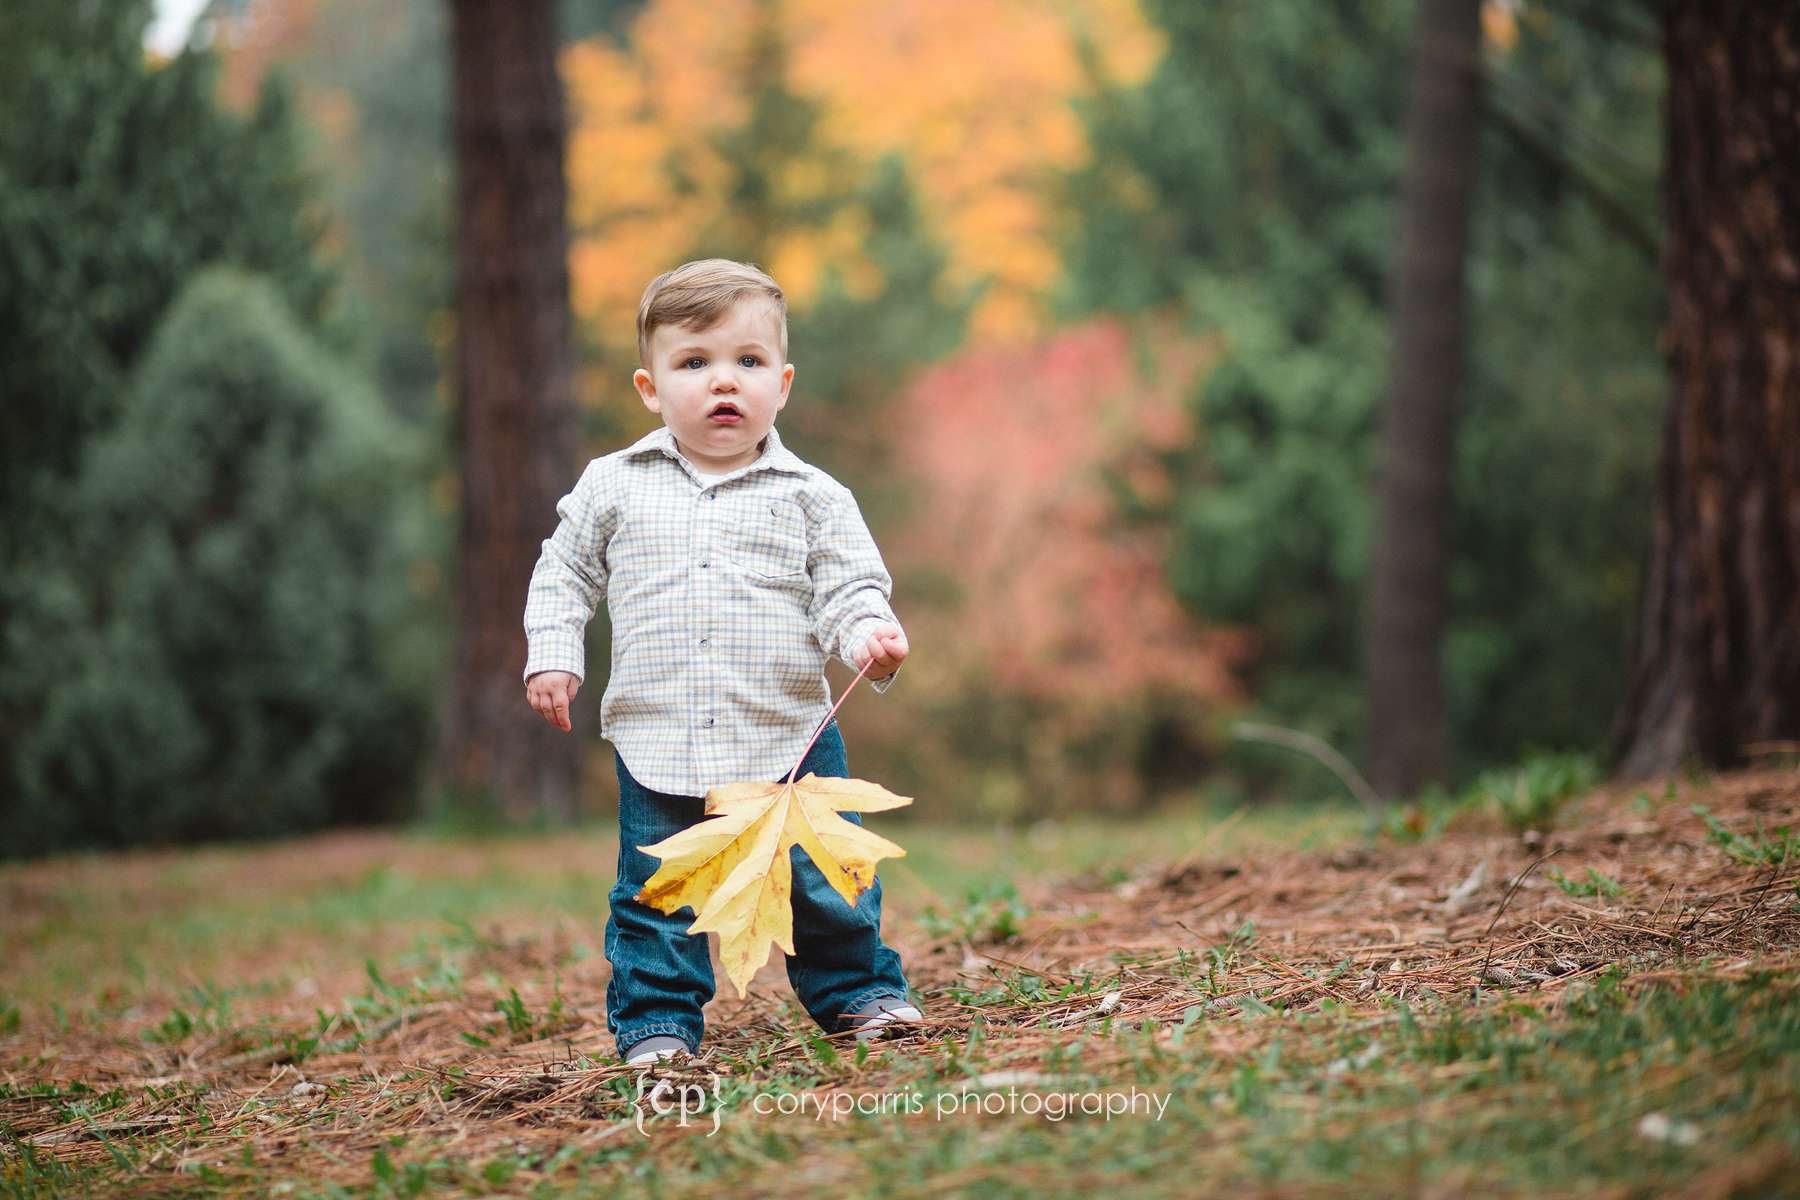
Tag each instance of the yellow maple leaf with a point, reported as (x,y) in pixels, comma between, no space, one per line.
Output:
(733,869)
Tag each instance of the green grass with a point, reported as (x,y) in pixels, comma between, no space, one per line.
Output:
(1626,1090)
(1619,1090)
(1529,796)
(1593,884)
(1772,849)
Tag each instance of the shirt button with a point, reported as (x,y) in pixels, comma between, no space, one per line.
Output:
(709,722)
(706,564)
(703,641)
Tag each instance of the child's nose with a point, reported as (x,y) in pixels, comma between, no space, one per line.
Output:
(724,379)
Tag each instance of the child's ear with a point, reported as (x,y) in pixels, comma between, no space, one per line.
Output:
(787,381)
(645,383)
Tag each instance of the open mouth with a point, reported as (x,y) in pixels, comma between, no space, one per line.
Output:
(726,414)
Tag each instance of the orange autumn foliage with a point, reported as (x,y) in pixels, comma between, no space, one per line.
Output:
(973,93)
(1053,598)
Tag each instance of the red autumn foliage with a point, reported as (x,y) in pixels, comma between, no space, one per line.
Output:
(1047,595)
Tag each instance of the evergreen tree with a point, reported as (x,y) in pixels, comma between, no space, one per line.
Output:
(1716,672)
(515,402)
(1410,565)
(1252,184)
(216,646)
(120,179)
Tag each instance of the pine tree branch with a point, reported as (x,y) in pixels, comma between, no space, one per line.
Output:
(1555,115)
(1604,19)
(1613,209)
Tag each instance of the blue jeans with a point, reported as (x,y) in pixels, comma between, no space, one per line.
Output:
(661,974)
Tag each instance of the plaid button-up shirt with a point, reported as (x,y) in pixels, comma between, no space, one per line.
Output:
(726,599)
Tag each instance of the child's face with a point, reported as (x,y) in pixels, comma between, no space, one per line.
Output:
(696,378)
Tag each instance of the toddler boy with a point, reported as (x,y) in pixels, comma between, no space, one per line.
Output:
(731,570)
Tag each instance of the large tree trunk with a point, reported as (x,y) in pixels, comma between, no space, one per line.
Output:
(1716,661)
(515,417)
(1407,585)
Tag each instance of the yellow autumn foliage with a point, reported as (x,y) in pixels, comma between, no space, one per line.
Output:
(733,869)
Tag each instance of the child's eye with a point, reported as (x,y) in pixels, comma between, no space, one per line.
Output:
(694,363)
(750,360)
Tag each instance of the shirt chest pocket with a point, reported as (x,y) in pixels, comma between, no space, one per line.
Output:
(768,540)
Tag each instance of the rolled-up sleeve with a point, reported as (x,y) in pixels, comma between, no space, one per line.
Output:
(851,585)
(569,581)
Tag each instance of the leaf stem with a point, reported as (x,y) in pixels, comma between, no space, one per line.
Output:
(827,720)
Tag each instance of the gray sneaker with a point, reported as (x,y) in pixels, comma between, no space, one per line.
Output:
(885,1016)
(654,1049)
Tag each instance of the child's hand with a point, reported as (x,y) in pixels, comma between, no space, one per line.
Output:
(887,646)
(551,692)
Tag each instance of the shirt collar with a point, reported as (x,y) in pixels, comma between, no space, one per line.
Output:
(775,456)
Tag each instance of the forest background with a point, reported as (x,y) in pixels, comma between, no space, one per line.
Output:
(1089,305)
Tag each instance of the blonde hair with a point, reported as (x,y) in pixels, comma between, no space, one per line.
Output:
(698,294)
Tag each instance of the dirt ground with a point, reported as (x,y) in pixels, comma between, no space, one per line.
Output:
(1475,909)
